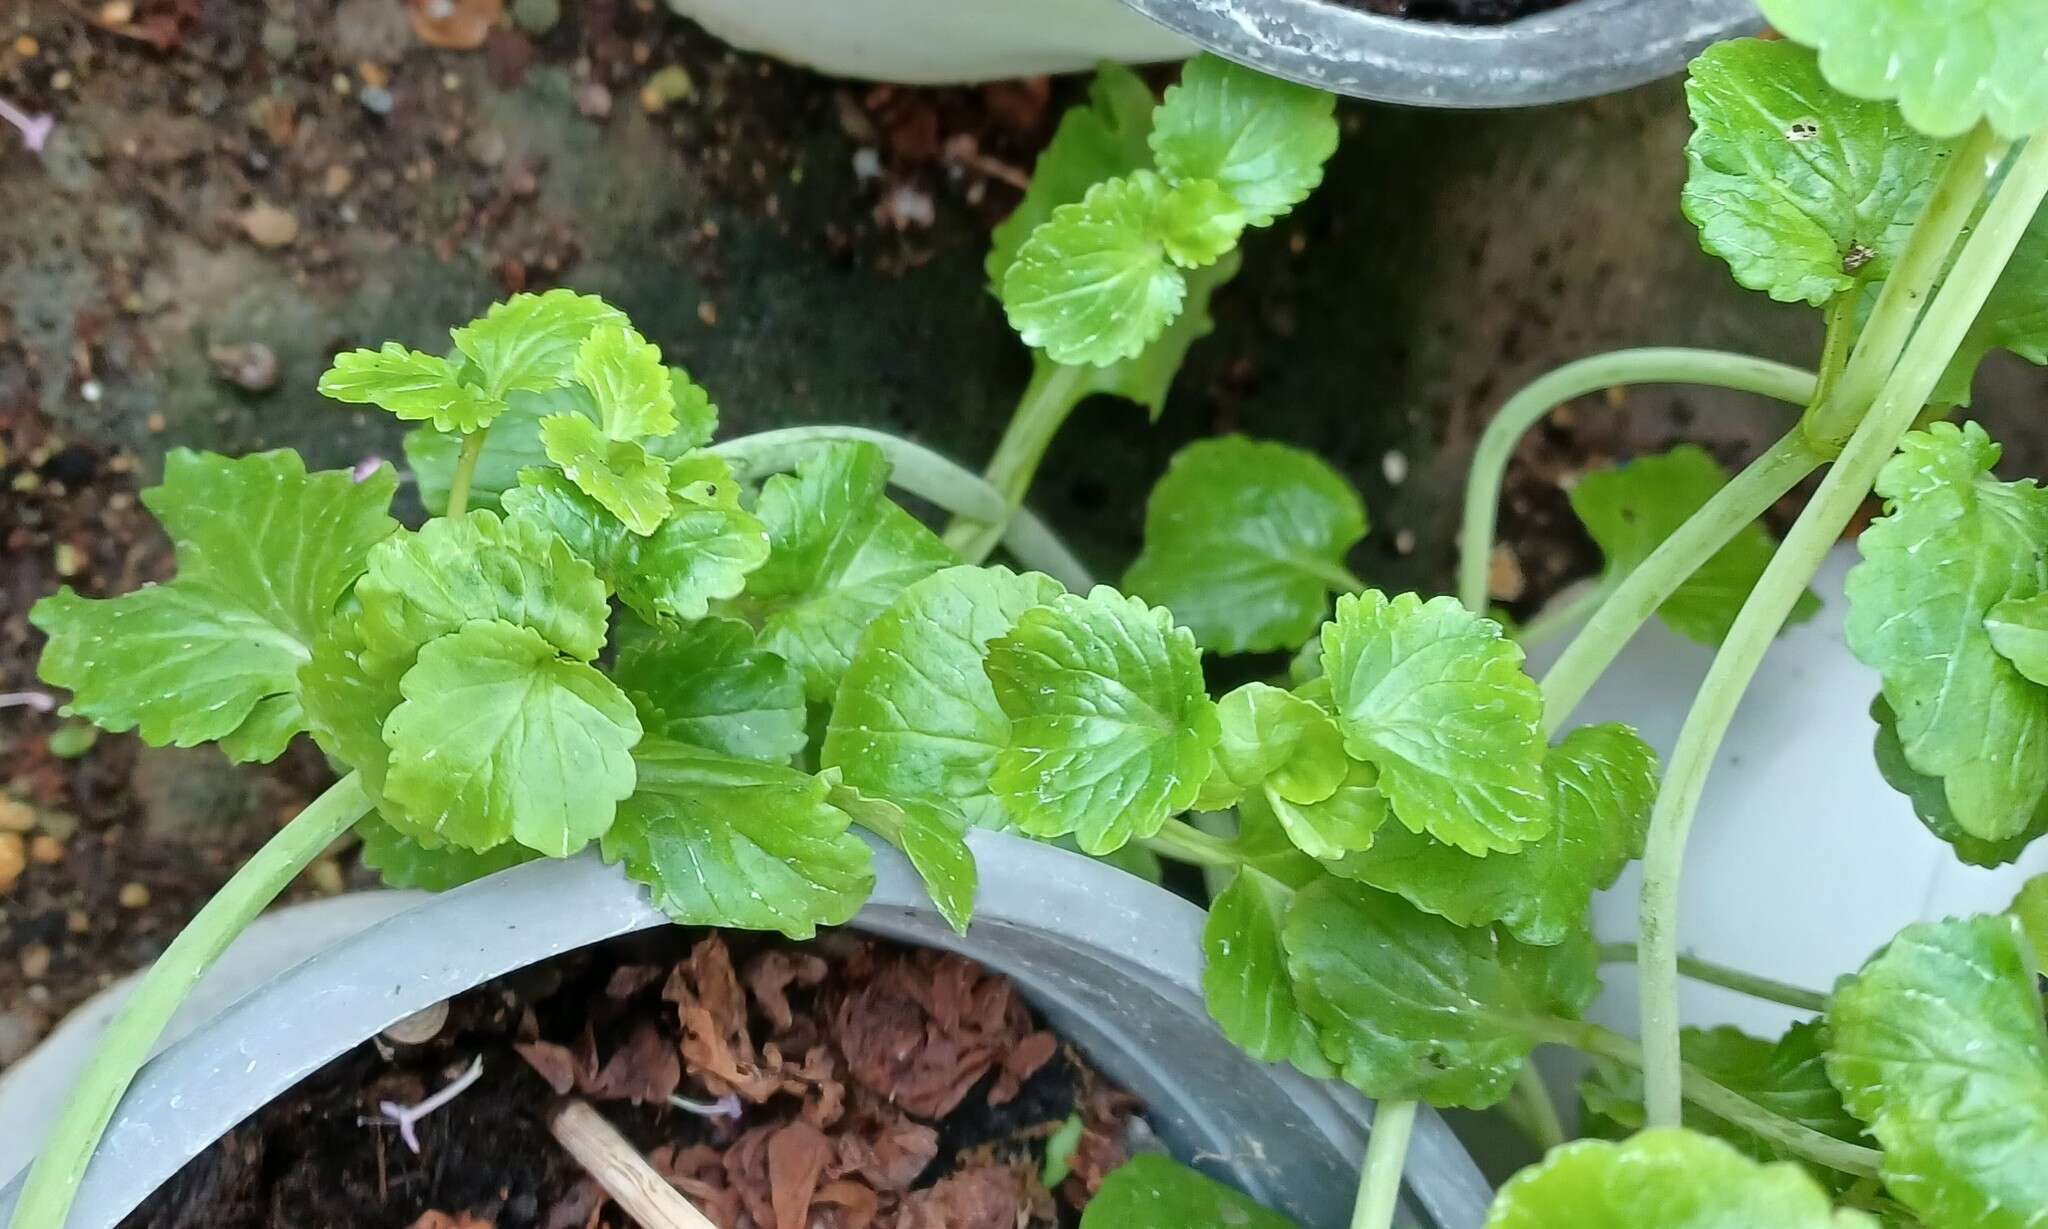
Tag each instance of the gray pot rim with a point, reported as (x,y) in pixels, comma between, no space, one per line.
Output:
(264,1043)
(1588,47)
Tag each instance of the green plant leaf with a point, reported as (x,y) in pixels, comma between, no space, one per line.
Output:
(2019,631)
(1150,1191)
(1199,223)
(1938,1045)
(1631,509)
(2030,906)
(1949,63)
(1953,543)
(1333,829)
(2014,317)
(427,584)
(1102,139)
(1803,190)
(696,417)
(634,394)
(1244,977)
(529,342)
(265,553)
(933,838)
(1245,541)
(1110,723)
(839,554)
(403,862)
(1930,801)
(1664,1179)
(1093,285)
(726,842)
(346,694)
(1435,698)
(411,386)
(916,718)
(1603,779)
(629,482)
(702,553)
(1412,1007)
(1262,139)
(709,685)
(1270,735)
(499,738)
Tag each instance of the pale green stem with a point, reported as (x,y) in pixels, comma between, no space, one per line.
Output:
(1664,365)
(1538,1113)
(1770,990)
(1746,497)
(465,470)
(1816,531)
(1055,389)
(1386,1151)
(89,1106)
(1184,842)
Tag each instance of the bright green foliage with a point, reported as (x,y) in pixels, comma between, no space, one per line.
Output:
(1263,140)
(1602,782)
(1804,191)
(1930,801)
(1147,378)
(1060,1147)
(346,695)
(2014,317)
(1151,1190)
(696,417)
(727,842)
(934,840)
(1413,1007)
(632,391)
(500,738)
(1938,1045)
(1198,223)
(1631,509)
(1435,698)
(265,553)
(1244,542)
(1345,823)
(916,719)
(839,554)
(1665,1179)
(708,684)
(702,553)
(403,862)
(1093,285)
(1245,979)
(1110,725)
(430,583)
(1955,542)
(1102,140)
(2019,631)
(1949,63)
(630,482)
(411,386)
(2030,906)
(529,342)
(1273,738)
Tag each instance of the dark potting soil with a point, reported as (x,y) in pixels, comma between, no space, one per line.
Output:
(876,1087)
(1461,12)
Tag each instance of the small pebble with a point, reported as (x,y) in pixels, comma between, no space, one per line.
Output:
(707,311)
(337,179)
(376,99)
(68,559)
(26,46)
(268,226)
(45,850)
(78,922)
(13,860)
(1504,579)
(593,100)
(248,365)
(670,85)
(326,877)
(35,961)
(1404,541)
(420,1027)
(15,815)
(1394,465)
(134,896)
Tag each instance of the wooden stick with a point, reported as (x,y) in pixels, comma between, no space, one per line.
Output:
(619,1168)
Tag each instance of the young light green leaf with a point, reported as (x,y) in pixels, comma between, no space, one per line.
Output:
(529,342)
(1339,826)
(1631,509)
(265,553)
(1093,285)
(1150,1191)
(1103,139)
(346,695)
(1245,541)
(2019,631)
(1938,1045)
(1110,723)
(1949,63)
(2014,317)
(1270,735)
(1262,139)
(1412,1007)
(625,478)
(726,842)
(702,553)
(1244,977)
(1435,698)
(709,685)
(916,718)
(934,840)
(1804,191)
(411,386)
(1199,223)
(2030,906)
(696,417)
(1953,543)
(1147,378)
(839,554)
(1664,1179)
(403,862)
(633,392)
(427,584)
(1603,779)
(499,738)
(1930,801)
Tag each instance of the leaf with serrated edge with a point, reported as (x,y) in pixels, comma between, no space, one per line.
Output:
(411,386)
(1199,223)
(1938,1045)
(1953,543)
(696,417)
(634,394)
(1335,828)
(631,483)
(402,862)
(934,840)
(1244,542)
(1435,698)
(709,685)
(1244,975)
(726,842)
(1262,139)
(2019,631)
(1930,801)
(916,717)
(1150,1191)
(1093,284)
(265,553)
(1102,139)
(2030,906)
(529,342)
(1272,735)
(1110,723)
(346,695)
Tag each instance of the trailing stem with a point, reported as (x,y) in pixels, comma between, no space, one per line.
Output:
(465,470)
(1054,391)
(1765,988)
(1874,440)
(1386,1149)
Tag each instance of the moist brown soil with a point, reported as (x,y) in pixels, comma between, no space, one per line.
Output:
(877,1088)
(1461,12)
